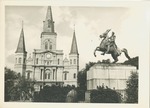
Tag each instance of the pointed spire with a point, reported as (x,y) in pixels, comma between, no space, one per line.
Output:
(21,44)
(74,47)
(48,23)
(49,14)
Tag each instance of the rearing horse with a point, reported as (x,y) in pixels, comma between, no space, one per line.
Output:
(113,50)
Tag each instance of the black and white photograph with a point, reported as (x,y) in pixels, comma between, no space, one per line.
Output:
(74,54)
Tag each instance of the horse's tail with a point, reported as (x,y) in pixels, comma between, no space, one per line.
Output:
(126,53)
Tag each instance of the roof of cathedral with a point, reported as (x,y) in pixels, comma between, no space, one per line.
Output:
(49,23)
(21,44)
(49,14)
(74,47)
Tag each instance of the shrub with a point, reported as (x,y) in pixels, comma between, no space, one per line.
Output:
(52,94)
(103,95)
(15,84)
(80,94)
(132,88)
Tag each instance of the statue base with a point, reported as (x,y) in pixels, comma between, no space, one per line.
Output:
(109,75)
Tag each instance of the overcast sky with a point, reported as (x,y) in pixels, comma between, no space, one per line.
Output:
(127,23)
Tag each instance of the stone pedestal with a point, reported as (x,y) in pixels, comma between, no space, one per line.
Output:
(113,76)
(87,96)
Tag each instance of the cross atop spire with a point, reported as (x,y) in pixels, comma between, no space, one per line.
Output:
(21,44)
(74,47)
(48,23)
(74,27)
(22,24)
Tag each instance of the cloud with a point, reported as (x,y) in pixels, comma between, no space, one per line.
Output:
(127,23)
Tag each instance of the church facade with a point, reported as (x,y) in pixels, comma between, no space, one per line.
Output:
(47,65)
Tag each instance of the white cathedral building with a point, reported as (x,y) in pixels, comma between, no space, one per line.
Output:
(47,65)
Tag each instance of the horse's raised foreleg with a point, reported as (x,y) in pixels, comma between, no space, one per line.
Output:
(97,49)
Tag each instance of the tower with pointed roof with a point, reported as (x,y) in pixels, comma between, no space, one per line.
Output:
(48,36)
(20,55)
(74,60)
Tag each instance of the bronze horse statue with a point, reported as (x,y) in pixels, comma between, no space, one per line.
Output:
(113,50)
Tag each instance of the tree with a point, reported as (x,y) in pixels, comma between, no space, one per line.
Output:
(10,80)
(82,75)
(82,81)
(53,93)
(15,84)
(105,95)
(132,88)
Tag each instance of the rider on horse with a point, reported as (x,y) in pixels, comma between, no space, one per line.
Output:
(108,46)
(111,42)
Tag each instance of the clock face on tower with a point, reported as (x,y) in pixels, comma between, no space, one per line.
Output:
(48,56)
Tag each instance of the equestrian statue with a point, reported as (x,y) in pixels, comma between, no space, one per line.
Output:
(108,46)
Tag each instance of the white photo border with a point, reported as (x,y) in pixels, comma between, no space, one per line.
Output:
(144,81)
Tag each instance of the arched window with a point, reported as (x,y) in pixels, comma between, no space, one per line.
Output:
(28,75)
(19,60)
(48,75)
(74,61)
(65,76)
(70,61)
(37,60)
(53,74)
(46,45)
(41,74)
(58,61)
(49,23)
(50,46)
(74,75)
(45,75)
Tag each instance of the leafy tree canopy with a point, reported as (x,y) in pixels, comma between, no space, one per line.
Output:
(53,93)
(132,88)
(15,84)
(105,95)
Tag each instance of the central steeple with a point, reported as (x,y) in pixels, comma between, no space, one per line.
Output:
(48,35)
(48,24)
